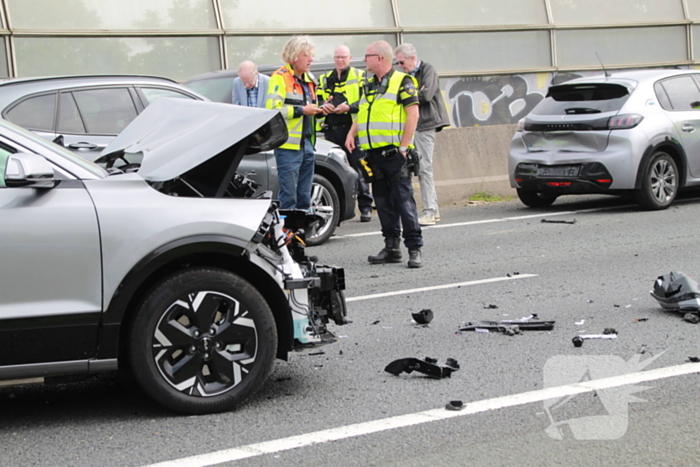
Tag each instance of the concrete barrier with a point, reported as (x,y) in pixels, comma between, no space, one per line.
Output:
(470,160)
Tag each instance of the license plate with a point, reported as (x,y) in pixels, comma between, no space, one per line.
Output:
(559,171)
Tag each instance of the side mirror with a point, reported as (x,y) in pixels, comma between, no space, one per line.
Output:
(29,170)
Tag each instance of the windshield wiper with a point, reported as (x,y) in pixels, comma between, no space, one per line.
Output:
(581,110)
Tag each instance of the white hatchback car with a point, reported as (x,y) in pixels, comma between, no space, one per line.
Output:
(635,132)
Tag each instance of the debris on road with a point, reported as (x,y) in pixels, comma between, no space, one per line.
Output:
(376,322)
(551,221)
(514,274)
(509,327)
(428,367)
(580,323)
(693,360)
(424,316)
(455,405)
(608,333)
(490,306)
(318,352)
(691,318)
(676,291)
(639,320)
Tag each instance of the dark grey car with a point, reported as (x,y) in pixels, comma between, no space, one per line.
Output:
(85,113)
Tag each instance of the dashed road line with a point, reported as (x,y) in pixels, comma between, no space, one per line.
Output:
(402,421)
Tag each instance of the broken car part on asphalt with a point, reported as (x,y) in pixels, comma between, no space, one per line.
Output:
(549,221)
(608,333)
(423,317)
(454,405)
(428,367)
(507,326)
(676,291)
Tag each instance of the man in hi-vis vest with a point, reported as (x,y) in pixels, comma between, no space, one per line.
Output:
(385,125)
(292,91)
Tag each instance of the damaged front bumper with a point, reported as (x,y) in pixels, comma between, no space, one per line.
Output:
(315,293)
(583,178)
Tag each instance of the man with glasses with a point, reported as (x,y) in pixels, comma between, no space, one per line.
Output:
(340,90)
(433,118)
(385,125)
(250,87)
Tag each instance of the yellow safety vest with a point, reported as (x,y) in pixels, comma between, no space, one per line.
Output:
(381,119)
(350,88)
(284,93)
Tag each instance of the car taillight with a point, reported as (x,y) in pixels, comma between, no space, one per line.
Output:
(624,122)
(521,125)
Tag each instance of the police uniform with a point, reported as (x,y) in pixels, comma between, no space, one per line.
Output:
(380,125)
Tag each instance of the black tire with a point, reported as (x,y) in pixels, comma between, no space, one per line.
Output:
(202,341)
(535,199)
(326,203)
(659,183)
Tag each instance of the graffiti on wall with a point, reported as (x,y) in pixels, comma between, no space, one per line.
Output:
(498,100)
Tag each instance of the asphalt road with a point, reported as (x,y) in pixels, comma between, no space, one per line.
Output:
(484,262)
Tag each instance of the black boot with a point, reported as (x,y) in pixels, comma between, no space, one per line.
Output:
(391,253)
(414,259)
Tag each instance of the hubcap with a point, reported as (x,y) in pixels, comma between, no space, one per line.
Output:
(205,344)
(322,205)
(663,181)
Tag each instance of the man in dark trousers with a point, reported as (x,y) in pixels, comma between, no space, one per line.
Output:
(433,118)
(339,91)
(385,126)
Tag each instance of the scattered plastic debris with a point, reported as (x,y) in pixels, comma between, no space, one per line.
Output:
(490,306)
(376,322)
(693,360)
(508,326)
(580,323)
(514,274)
(608,333)
(454,405)
(691,318)
(318,352)
(428,367)
(424,316)
(589,301)
(642,350)
(550,221)
(616,306)
(639,320)
(676,291)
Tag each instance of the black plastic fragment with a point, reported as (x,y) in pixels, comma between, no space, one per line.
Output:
(490,306)
(578,342)
(693,360)
(549,221)
(428,367)
(692,318)
(454,405)
(609,331)
(676,291)
(423,317)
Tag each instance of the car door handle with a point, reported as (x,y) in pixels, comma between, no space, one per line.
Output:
(86,146)
(688,128)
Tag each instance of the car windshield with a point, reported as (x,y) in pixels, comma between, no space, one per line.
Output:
(84,163)
(584,98)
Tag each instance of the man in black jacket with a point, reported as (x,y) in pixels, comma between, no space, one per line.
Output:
(433,118)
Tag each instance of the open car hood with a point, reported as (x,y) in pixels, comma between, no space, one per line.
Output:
(204,140)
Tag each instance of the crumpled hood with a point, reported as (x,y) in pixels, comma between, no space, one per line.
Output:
(177,135)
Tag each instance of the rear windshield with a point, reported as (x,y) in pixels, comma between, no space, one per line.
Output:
(579,99)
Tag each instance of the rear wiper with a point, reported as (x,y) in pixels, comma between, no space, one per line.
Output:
(581,110)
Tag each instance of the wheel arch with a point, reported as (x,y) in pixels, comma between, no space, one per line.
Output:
(673,149)
(211,251)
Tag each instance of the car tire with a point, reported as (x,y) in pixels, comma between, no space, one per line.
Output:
(326,203)
(202,341)
(535,199)
(659,183)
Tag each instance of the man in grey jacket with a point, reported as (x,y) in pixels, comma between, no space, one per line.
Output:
(433,118)
(250,87)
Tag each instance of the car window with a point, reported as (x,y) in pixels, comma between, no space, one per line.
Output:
(4,155)
(682,92)
(217,89)
(583,98)
(69,120)
(106,111)
(662,96)
(35,113)
(152,94)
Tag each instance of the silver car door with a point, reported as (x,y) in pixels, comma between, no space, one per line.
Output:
(684,96)
(50,272)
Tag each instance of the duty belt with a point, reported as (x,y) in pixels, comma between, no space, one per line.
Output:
(337,127)
(385,151)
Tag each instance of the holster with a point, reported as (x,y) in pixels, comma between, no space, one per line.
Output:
(413,162)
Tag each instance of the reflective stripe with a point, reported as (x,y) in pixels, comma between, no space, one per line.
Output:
(280,98)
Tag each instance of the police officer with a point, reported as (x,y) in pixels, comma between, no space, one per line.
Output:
(340,90)
(385,125)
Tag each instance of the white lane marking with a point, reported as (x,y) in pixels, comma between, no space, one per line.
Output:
(440,287)
(401,421)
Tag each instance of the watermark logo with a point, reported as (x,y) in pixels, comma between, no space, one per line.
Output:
(610,406)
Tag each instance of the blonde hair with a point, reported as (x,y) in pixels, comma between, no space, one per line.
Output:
(295,46)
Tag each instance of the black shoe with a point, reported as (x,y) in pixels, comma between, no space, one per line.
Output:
(365,216)
(414,259)
(391,253)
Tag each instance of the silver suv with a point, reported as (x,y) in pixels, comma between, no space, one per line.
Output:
(626,133)
(173,270)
